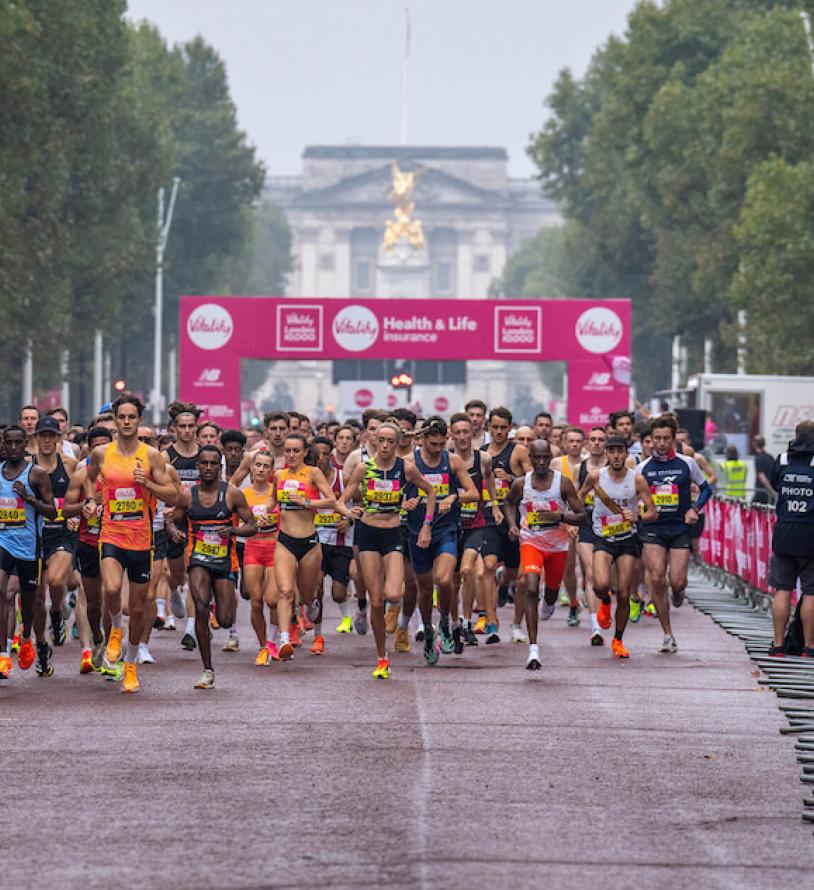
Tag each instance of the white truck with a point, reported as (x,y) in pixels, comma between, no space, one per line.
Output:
(747,405)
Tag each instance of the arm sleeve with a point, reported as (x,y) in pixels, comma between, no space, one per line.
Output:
(704,494)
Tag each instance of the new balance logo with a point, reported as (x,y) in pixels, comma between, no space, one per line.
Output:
(599,378)
(209,375)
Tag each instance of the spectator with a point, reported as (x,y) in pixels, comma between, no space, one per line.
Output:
(733,470)
(764,463)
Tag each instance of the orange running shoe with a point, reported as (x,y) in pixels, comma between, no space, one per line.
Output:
(295,634)
(86,665)
(263,657)
(618,649)
(26,654)
(5,665)
(319,646)
(285,652)
(113,653)
(382,671)
(480,625)
(305,623)
(603,614)
(16,641)
(130,682)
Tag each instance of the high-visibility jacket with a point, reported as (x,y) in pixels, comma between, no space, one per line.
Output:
(735,475)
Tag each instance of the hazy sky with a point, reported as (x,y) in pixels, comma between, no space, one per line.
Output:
(329,71)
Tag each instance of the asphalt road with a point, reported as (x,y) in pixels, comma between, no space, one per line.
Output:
(663,771)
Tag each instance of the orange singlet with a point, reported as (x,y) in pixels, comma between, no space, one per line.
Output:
(287,483)
(127,520)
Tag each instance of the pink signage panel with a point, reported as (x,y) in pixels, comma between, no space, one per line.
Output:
(593,336)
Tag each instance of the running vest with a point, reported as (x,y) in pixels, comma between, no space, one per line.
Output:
(582,475)
(735,472)
(472,514)
(442,479)
(60,480)
(383,490)
(501,461)
(327,519)
(610,526)
(289,482)
(89,528)
(670,484)
(186,467)
(19,523)
(534,528)
(126,518)
(268,523)
(207,546)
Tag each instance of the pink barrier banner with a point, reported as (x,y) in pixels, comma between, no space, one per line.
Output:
(737,538)
(593,336)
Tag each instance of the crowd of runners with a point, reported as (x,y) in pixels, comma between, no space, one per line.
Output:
(420,529)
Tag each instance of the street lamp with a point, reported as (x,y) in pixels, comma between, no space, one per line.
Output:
(156,399)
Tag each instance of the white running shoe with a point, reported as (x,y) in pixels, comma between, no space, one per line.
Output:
(178,605)
(517,634)
(669,645)
(533,661)
(207,680)
(232,645)
(144,656)
(546,610)
(169,623)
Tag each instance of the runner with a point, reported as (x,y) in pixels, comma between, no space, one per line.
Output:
(29,417)
(25,497)
(473,527)
(666,540)
(509,460)
(623,423)
(568,464)
(524,435)
(381,482)
(476,410)
(275,425)
(543,495)
(344,442)
(619,490)
(434,565)
(209,434)
(233,443)
(211,509)
(298,555)
(131,474)
(61,416)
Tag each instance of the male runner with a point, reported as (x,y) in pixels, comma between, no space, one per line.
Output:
(618,492)
(25,496)
(568,464)
(475,409)
(131,473)
(666,540)
(623,424)
(275,427)
(543,496)
(210,509)
(29,416)
(233,443)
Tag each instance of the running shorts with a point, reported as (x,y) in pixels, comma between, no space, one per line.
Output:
(87,560)
(26,570)
(423,558)
(259,552)
(336,562)
(672,536)
(298,547)
(628,547)
(497,542)
(547,564)
(373,539)
(61,541)
(137,563)
(160,544)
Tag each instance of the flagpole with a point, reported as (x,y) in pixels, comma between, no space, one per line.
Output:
(407,37)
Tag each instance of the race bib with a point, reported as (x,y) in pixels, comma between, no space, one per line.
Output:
(265,524)
(534,515)
(665,495)
(290,487)
(59,503)
(502,487)
(327,519)
(439,482)
(383,491)
(469,509)
(615,526)
(12,512)
(589,499)
(210,544)
(94,524)
(125,505)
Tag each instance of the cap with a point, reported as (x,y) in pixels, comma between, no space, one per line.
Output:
(617,442)
(107,407)
(47,425)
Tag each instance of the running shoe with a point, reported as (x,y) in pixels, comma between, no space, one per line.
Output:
(57,627)
(431,648)
(445,637)
(391,619)
(207,680)
(517,634)
(44,667)
(382,671)
(213,621)
(295,635)
(188,642)
(635,611)
(5,667)
(263,657)
(345,626)
(533,661)
(597,639)
(113,652)
(360,623)
(273,653)
(480,625)
(86,665)
(603,614)
(777,651)
(232,645)
(74,631)
(469,637)
(26,654)
(112,672)
(169,623)
(419,634)
(285,652)
(458,639)
(677,598)
(306,621)
(319,646)
(97,654)
(402,643)
(669,645)
(618,649)
(312,610)
(807,652)
(144,656)
(491,634)
(159,622)
(650,610)
(573,616)
(547,610)
(565,600)
(15,641)
(178,605)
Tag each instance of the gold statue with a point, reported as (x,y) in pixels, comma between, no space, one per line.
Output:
(403,227)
